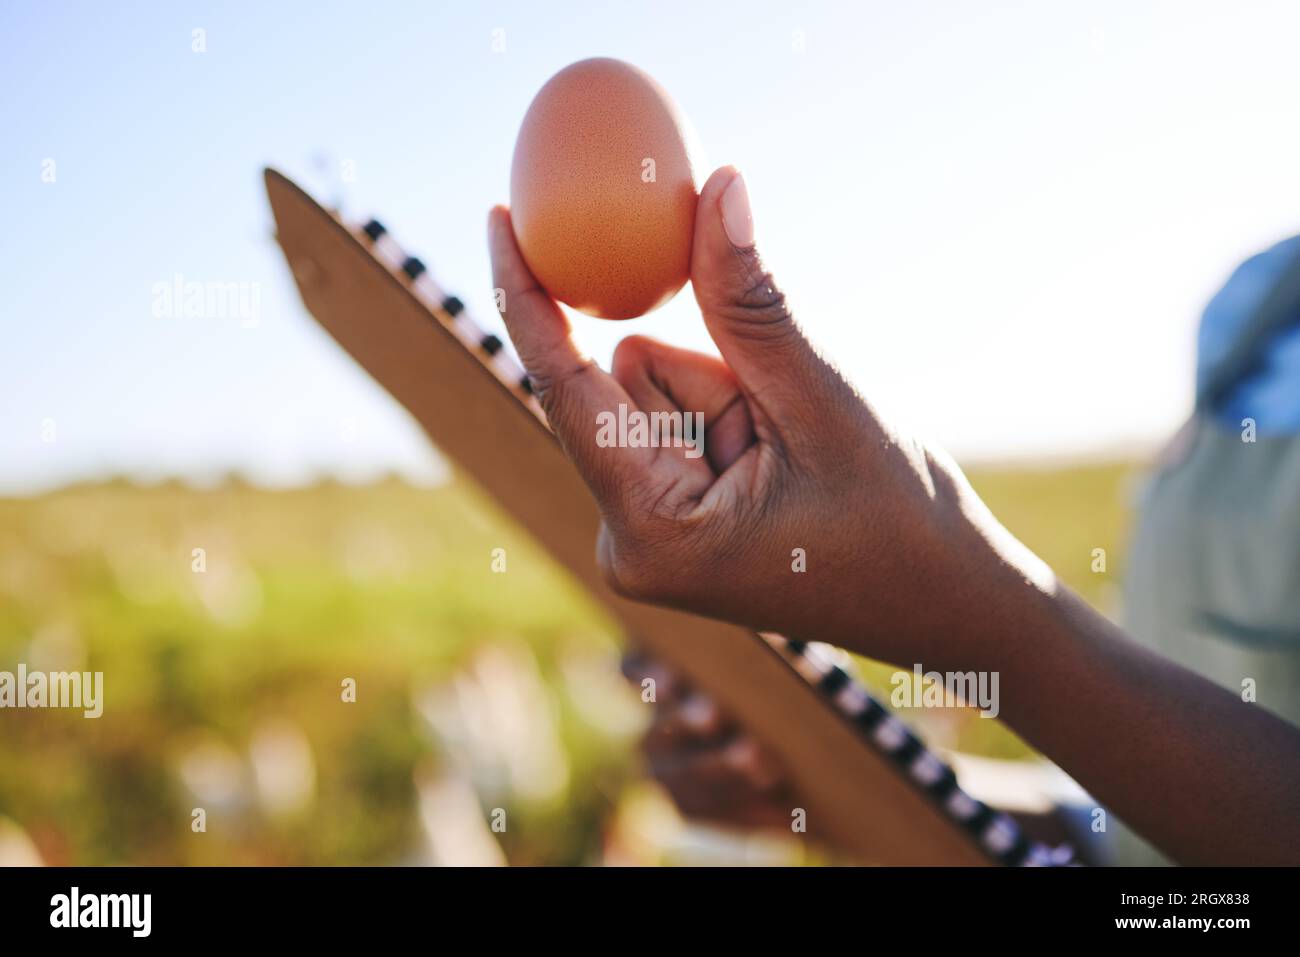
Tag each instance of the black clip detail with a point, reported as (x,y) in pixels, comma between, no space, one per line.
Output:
(413,268)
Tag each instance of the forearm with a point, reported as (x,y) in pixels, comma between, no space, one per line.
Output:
(1204,776)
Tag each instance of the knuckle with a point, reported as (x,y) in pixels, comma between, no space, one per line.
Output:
(631,349)
(762,310)
(643,562)
(549,384)
(627,573)
(630,359)
(654,546)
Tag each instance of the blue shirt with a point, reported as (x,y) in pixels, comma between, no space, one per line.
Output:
(1270,394)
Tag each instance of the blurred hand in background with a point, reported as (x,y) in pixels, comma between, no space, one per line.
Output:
(714,771)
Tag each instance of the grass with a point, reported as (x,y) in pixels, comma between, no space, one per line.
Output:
(388,585)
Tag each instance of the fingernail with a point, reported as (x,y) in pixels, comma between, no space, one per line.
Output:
(746,757)
(698,714)
(736,217)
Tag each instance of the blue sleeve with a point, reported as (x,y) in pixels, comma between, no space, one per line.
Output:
(1271,393)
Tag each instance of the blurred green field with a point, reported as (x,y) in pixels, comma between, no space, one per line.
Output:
(475,690)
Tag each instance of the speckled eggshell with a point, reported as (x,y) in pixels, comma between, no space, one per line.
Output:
(597,232)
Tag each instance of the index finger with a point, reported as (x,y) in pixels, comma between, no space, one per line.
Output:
(537,325)
(571,387)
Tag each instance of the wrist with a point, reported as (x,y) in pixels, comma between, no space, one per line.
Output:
(969,600)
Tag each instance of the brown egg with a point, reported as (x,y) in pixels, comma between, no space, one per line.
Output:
(603,189)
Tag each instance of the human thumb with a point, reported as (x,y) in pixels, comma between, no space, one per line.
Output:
(745,312)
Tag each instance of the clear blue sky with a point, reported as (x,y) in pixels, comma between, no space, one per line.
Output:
(1001,219)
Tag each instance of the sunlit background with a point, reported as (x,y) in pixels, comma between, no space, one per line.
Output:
(1000,219)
